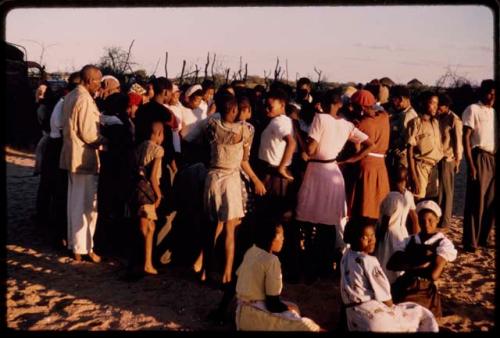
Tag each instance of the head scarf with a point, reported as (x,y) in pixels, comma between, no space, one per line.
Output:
(429,205)
(363,97)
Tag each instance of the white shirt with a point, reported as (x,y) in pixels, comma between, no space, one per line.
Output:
(362,279)
(482,121)
(445,249)
(272,146)
(331,135)
(56,120)
(177,110)
(191,123)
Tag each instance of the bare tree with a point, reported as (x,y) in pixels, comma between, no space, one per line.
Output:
(156,67)
(451,79)
(166,63)
(126,64)
(43,47)
(277,69)
(212,68)
(206,65)
(227,75)
(181,79)
(319,72)
(246,72)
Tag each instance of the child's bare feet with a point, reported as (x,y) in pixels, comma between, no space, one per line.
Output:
(226,278)
(150,270)
(77,257)
(94,257)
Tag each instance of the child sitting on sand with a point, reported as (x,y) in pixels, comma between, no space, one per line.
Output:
(259,287)
(366,292)
(423,257)
(392,227)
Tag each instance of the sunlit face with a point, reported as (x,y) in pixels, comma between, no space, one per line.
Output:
(489,98)
(209,95)
(194,102)
(428,221)
(432,106)
(274,107)
(443,109)
(95,82)
(245,113)
(367,240)
(175,97)
(278,240)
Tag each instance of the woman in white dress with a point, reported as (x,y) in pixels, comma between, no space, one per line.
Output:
(392,228)
(321,201)
(366,292)
(259,287)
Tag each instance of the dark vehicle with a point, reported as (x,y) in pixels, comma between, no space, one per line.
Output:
(19,116)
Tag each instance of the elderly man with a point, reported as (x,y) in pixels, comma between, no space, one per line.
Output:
(79,156)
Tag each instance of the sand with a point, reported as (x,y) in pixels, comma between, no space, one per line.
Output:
(47,290)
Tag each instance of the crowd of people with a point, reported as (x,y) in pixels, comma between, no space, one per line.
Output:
(352,183)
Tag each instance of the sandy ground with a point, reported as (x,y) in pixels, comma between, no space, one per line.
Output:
(47,290)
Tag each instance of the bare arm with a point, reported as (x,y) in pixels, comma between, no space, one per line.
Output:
(366,147)
(311,146)
(439,264)
(415,226)
(155,179)
(413,170)
(287,156)
(259,186)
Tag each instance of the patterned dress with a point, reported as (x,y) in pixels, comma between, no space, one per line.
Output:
(223,199)
(364,287)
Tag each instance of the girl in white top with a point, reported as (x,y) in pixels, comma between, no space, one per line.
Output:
(392,226)
(366,292)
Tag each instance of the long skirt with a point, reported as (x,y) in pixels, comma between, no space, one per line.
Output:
(254,316)
(375,316)
(222,198)
(371,187)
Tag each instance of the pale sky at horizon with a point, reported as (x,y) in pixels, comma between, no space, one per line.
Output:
(346,43)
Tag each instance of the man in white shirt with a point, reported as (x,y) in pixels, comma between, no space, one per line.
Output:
(480,144)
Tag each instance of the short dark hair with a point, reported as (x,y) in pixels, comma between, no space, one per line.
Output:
(266,233)
(225,102)
(400,91)
(354,229)
(278,94)
(85,72)
(486,86)
(303,81)
(331,96)
(74,80)
(424,98)
(160,84)
(207,84)
(445,100)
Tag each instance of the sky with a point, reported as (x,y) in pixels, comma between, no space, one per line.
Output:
(345,43)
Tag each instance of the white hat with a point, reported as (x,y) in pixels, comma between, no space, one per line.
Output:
(429,205)
(106,77)
(193,89)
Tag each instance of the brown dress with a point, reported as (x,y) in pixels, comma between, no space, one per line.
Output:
(372,183)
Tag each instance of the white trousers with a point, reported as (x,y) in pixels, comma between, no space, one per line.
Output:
(82,212)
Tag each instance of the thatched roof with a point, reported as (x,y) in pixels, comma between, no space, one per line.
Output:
(387,82)
(415,83)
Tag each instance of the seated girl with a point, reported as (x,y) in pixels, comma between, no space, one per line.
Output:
(366,292)
(259,287)
(423,257)
(397,208)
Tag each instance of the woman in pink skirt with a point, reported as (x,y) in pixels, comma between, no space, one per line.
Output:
(321,205)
